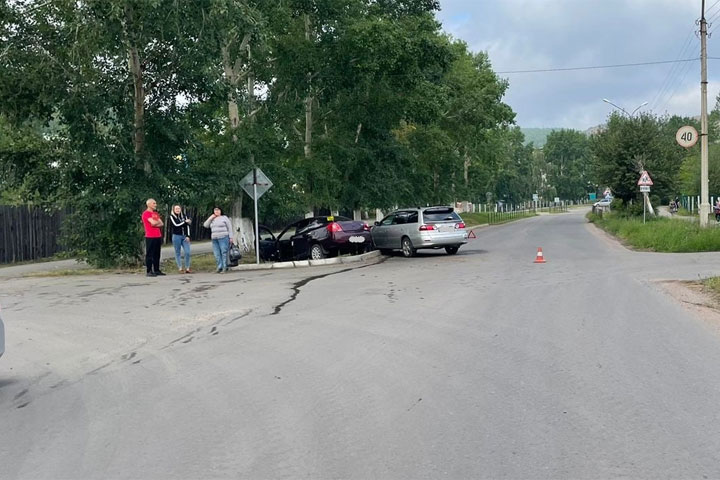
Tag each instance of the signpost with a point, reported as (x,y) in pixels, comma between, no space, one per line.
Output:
(644,183)
(255,184)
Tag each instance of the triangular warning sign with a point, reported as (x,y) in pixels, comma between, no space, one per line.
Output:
(471,234)
(645,179)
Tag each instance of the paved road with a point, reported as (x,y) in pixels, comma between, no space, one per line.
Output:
(480,365)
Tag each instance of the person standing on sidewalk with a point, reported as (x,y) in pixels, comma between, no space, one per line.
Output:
(181,237)
(153,238)
(220,228)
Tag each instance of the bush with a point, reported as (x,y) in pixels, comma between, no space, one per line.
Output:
(106,230)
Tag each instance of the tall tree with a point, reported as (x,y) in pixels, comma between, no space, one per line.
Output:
(568,153)
(629,145)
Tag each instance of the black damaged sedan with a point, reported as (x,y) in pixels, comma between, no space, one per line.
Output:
(315,238)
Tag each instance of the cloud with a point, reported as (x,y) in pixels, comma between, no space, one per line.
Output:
(540,34)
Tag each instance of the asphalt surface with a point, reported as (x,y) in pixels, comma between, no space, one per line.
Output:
(479,365)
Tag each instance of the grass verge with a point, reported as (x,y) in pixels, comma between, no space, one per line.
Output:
(660,234)
(202,262)
(713,285)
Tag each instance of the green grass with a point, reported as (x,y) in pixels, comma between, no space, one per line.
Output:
(484,218)
(660,234)
(203,262)
(713,284)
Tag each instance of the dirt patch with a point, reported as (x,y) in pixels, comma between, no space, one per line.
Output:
(698,298)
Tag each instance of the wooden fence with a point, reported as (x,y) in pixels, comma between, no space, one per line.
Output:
(28,233)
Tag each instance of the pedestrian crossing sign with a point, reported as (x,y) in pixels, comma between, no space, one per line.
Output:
(645,180)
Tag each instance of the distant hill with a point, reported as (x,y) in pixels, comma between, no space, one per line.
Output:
(537,136)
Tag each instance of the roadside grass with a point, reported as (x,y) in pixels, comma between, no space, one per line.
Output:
(483,218)
(201,263)
(80,271)
(713,284)
(660,234)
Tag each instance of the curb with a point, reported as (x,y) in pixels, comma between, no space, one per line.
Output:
(309,263)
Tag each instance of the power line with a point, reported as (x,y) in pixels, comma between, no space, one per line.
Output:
(670,77)
(597,67)
(677,86)
(714,28)
(711,7)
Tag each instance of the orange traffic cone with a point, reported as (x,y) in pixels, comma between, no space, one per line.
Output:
(539,258)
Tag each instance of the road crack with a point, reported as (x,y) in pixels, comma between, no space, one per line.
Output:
(298,285)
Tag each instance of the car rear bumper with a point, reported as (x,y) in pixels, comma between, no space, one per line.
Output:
(348,241)
(439,240)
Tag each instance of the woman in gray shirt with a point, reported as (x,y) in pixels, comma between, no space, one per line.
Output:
(220,228)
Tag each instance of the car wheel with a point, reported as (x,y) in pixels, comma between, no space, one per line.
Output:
(316,252)
(407,248)
(452,250)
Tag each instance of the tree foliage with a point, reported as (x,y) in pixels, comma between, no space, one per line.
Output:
(629,145)
(567,153)
(345,104)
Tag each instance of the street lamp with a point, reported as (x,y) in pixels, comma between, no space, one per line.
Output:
(625,111)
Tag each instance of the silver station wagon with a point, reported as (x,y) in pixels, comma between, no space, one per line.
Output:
(410,229)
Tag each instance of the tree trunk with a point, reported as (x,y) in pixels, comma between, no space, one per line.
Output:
(231,78)
(307,147)
(233,75)
(135,67)
(466,168)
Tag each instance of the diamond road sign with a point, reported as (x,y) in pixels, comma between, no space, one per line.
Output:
(257,177)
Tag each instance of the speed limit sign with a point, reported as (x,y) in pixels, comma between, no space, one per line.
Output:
(686,136)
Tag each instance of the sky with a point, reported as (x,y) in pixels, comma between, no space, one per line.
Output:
(556,34)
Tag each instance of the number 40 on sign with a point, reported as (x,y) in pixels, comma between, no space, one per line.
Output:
(686,136)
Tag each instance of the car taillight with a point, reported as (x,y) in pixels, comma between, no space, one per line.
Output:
(460,225)
(366,227)
(334,227)
(424,228)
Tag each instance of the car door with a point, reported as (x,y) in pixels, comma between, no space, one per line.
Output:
(301,239)
(268,244)
(397,230)
(410,228)
(285,240)
(380,231)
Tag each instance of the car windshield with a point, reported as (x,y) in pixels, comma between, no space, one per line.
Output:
(440,215)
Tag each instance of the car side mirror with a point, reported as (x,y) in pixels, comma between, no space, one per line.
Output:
(377,224)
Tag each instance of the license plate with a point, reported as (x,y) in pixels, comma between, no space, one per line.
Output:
(356,239)
(447,228)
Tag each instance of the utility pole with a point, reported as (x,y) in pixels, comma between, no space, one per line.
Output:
(704,199)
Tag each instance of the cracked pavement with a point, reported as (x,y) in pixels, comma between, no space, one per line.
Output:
(478,365)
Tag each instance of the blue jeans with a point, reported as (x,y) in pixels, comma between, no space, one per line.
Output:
(220,250)
(181,241)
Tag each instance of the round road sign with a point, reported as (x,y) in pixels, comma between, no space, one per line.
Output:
(686,136)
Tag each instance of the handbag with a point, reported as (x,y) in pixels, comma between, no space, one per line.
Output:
(234,255)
